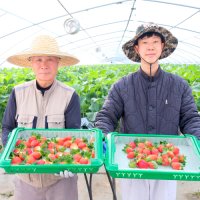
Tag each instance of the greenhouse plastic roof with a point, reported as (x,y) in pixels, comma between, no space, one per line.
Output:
(105,25)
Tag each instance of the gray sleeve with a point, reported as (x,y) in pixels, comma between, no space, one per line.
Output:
(73,113)
(190,119)
(9,122)
(108,117)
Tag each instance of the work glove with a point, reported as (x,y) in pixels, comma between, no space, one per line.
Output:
(65,174)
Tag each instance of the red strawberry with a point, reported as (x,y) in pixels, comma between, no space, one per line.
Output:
(84,161)
(132,145)
(34,143)
(142,164)
(40,162)
(67,143)
(16,160)
(30,159)
(154,151)
(67,138)
(175,159)
(146,151)
(148,144)
(36,155)
(131,155)
(77,157)
(176,166)
(129,149)
(141,145)
(19,141)
(81,145)
(153,165)
(176,150)
(151,157)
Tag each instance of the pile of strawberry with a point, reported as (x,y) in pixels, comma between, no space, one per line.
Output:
(38,149)
(144,154)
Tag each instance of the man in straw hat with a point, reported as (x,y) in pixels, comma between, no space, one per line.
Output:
(150,101)
(43,103)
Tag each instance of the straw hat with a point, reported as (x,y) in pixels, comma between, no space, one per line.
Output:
(171,42)
(43,45)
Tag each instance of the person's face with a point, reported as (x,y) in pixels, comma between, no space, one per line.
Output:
(45,69)
(149,48)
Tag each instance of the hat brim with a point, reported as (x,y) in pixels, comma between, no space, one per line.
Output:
(171,43)
(23,59)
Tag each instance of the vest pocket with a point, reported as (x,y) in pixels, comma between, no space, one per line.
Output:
(25,121)
(56,121)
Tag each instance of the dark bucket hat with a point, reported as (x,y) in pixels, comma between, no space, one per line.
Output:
(171,42)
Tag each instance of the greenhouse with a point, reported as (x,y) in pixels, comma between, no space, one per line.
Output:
(94,32)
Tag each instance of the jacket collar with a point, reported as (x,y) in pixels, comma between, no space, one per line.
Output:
(148,78)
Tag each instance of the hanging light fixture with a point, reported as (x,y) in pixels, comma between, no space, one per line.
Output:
(72,26)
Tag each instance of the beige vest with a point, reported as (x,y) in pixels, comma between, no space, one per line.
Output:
(32,104)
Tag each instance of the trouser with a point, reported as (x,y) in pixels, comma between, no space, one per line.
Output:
(64,189)
(137,189)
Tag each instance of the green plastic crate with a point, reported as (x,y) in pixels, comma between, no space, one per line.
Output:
(92,167)
(116,161)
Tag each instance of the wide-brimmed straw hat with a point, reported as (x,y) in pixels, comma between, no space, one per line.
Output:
(171,42)
(43,45)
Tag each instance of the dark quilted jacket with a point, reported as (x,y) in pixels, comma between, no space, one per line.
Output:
(161,105)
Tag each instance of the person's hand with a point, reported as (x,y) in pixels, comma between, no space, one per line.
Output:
(65,174)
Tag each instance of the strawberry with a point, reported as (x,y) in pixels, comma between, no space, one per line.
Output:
(132,164)
(176,150)
(148,144)
(129,149)
(153,165)
(73,146)
(30,159)
(170,154)
(19,141)
(146,151)
(142,164)
(132,145)
(151,157)
(175,159)
(16,160)
(81,145)
(34,143)
(36,155)
(154,151)
(84,161)
(141,145)
(67,138)
(67,143)
(176,166)
(40,162)
(131,155)
(77,157)
(52,156)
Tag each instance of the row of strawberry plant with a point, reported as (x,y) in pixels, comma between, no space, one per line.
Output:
(92,82)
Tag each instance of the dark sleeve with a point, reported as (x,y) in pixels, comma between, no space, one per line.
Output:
(190,119)
(73,113)
(107,118)
(9,122)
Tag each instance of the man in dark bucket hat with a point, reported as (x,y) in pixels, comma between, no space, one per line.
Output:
(150,101)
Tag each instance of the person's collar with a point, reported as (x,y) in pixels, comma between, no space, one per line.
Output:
(147,77)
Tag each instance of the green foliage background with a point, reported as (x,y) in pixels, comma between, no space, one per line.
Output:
(92,82)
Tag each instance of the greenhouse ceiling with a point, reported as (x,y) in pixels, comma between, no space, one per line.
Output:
(105,25)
